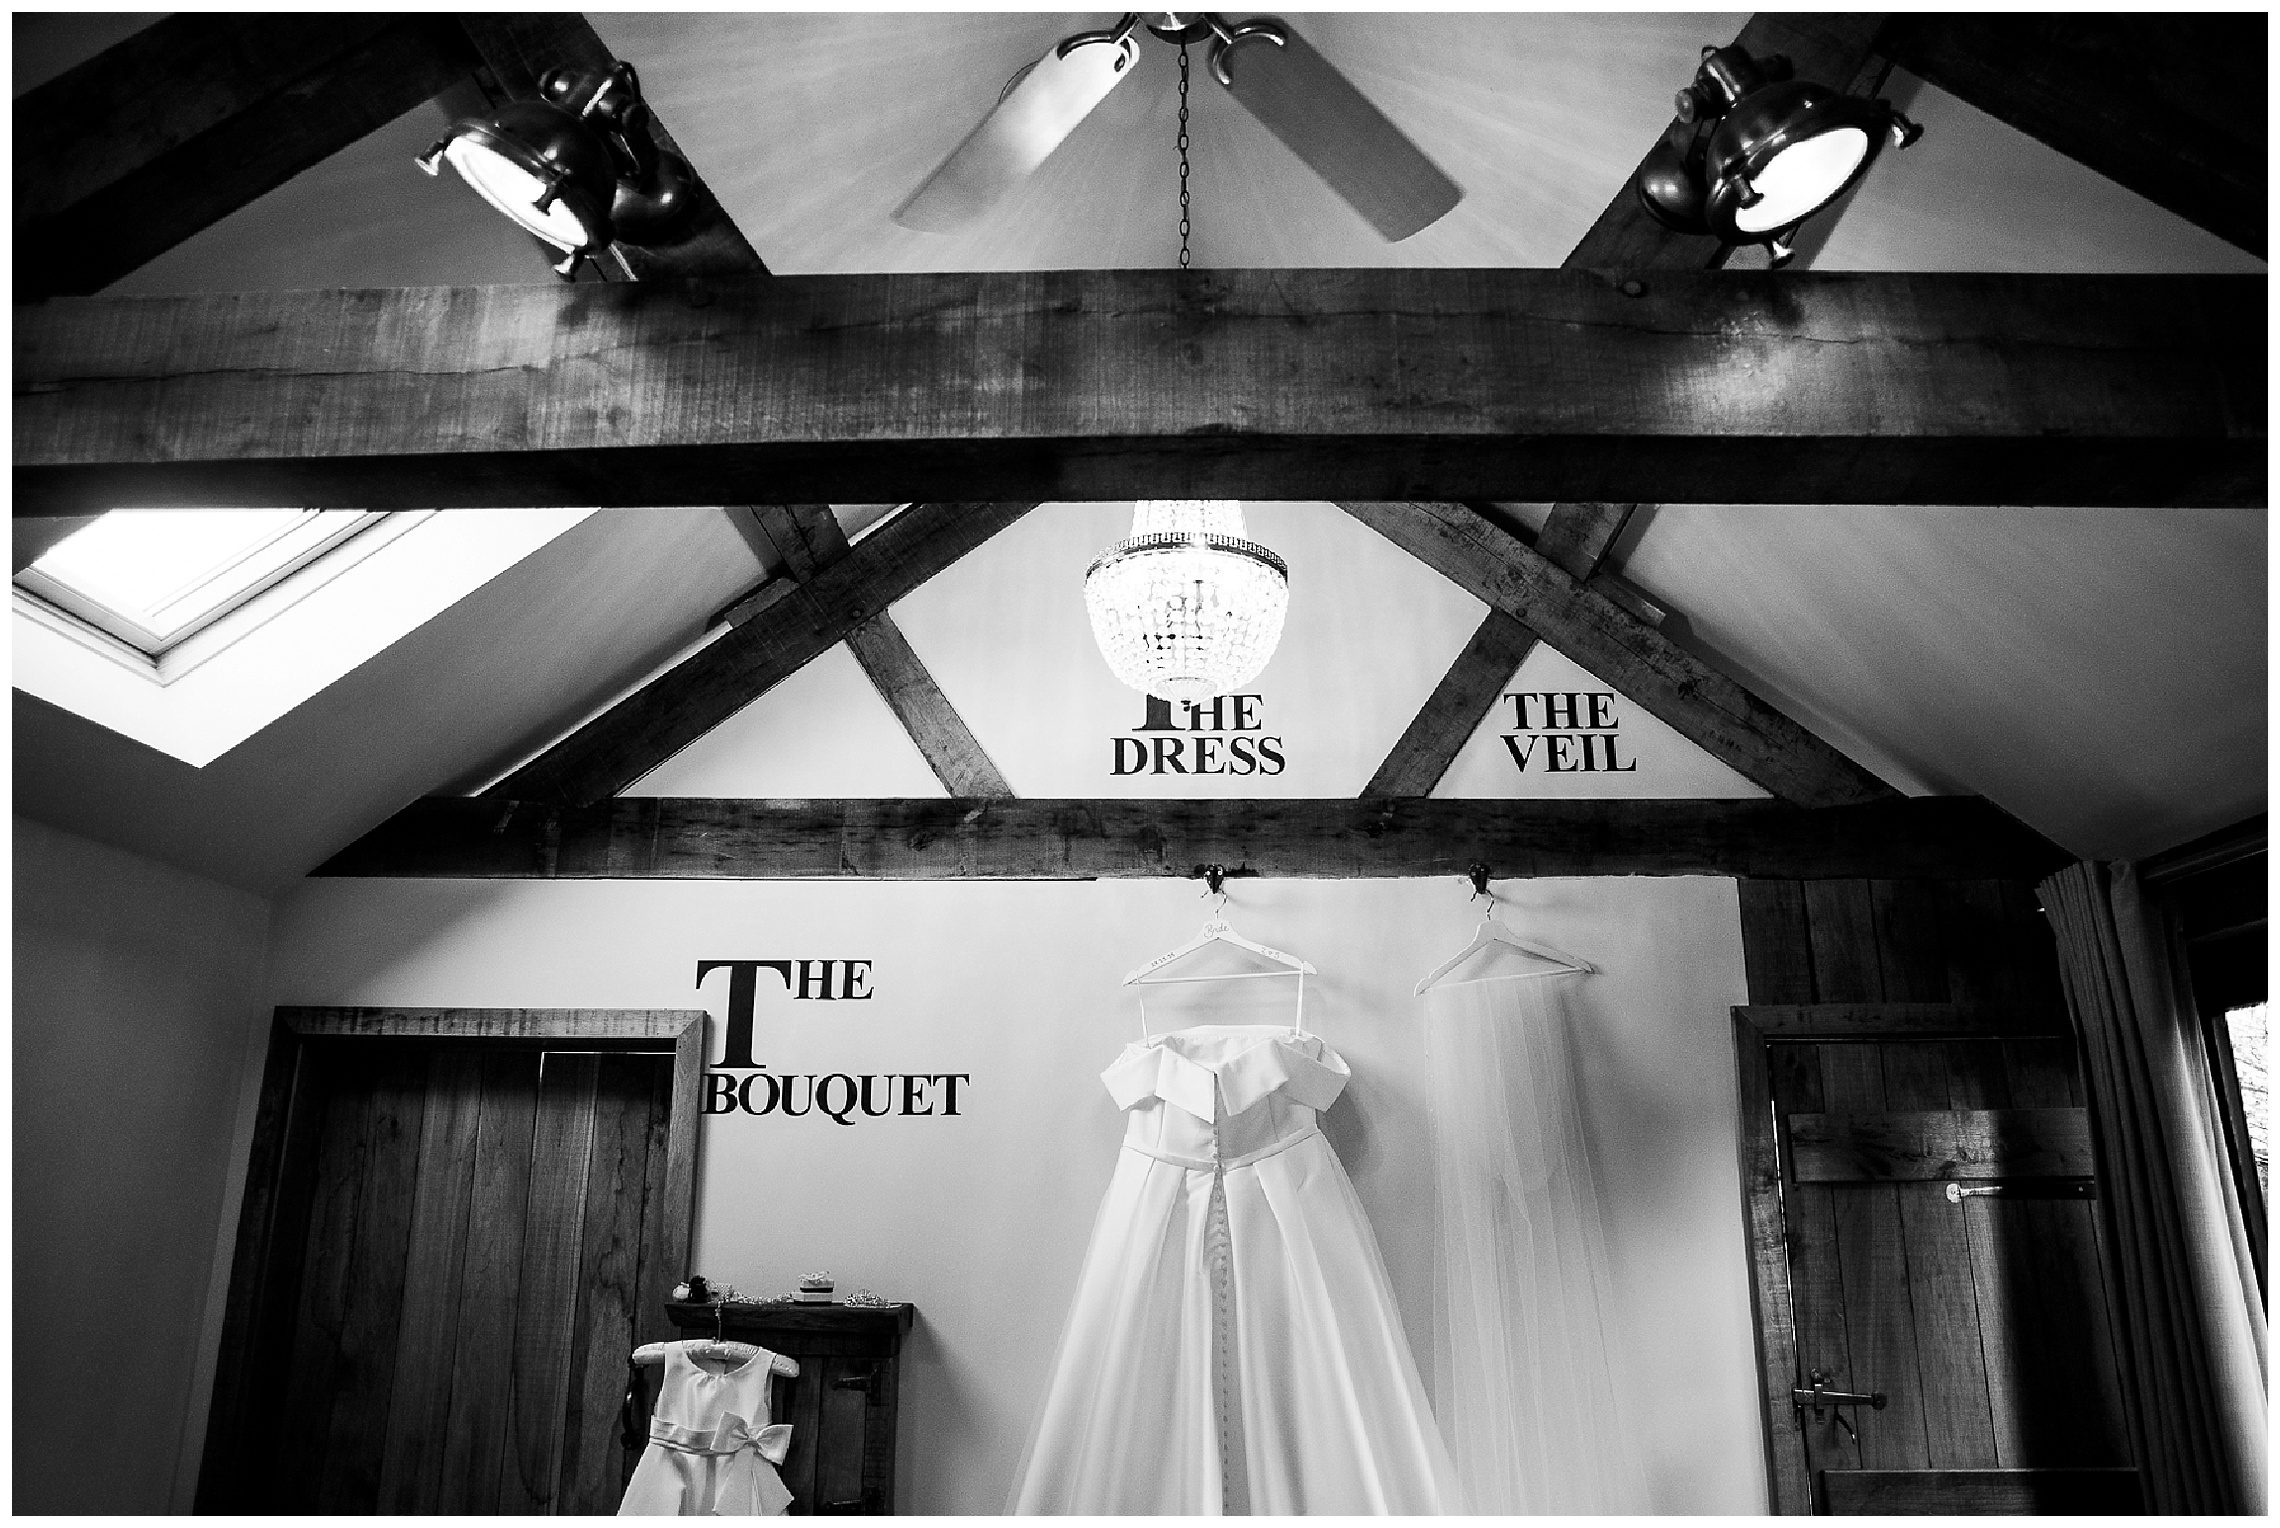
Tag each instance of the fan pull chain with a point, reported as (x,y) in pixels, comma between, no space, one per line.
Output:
(1183,145)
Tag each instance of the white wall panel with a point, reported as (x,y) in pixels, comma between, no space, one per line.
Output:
(981,1219)
(137,1029)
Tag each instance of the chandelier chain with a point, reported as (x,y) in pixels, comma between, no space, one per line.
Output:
(1183,147)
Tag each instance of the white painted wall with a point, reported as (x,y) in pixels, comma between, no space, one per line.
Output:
(138,1021)
(980,1220)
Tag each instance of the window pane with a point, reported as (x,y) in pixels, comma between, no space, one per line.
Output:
(151,577)
(2245,1028)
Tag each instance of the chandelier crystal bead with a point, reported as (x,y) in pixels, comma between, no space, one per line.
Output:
(1186,608)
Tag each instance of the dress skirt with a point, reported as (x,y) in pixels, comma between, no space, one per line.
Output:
(1234,1346)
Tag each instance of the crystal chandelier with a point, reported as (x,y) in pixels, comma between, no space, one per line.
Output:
(1185,608)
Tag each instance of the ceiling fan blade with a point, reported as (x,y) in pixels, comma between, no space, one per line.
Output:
(1302,99)
(1041,107)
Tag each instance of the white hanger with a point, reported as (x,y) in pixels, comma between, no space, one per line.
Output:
(1492,932)
(1216,930)
(726,1352)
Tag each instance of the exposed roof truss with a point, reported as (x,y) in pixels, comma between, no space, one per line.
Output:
(806,539)
(625,742)
(1608,390)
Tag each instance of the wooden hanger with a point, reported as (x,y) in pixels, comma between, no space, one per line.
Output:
(1491,933)
(718,1348)
(1216,930)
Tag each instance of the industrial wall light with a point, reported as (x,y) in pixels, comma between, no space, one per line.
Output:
(1757,152)
(578,169)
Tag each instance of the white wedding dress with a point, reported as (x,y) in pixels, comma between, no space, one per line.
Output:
(1234,1345)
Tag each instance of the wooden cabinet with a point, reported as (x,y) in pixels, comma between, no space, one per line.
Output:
(842,1406)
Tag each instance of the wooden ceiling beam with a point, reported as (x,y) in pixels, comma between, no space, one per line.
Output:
(1716,387)
(613,750)
(123,157)
(682,838)
(519,50)
(1577,534)
(808,539)
(2170,104)
(942,737)
(1577,537)
(1716,714)
(1453,712)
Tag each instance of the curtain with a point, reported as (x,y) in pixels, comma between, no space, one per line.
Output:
(2192,1326)
(1523,1364)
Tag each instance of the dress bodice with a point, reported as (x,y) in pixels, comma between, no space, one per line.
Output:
(691,1394)
(1221,1094)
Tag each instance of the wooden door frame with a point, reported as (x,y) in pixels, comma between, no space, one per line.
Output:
(261,1217)
(1773,1313)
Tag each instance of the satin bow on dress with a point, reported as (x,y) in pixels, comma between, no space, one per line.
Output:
(749,1486)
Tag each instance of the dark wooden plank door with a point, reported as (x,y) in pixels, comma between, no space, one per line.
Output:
(1921,1195)
(1955,1274)
(463,1245)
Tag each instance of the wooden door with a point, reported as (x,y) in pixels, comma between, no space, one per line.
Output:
(457,1225)
(1922,1201)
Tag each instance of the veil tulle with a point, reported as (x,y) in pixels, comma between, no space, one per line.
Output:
(1523,1304)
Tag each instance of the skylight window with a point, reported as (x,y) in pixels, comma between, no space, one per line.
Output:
(152,578)
(201,627)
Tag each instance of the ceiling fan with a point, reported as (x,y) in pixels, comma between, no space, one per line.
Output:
(1265,65)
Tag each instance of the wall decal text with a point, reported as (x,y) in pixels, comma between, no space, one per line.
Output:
(842,1097)
(1565,732)
(1214,737)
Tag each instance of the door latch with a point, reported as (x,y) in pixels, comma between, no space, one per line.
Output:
(863,1377)
(1821,1396)
(2033,1189)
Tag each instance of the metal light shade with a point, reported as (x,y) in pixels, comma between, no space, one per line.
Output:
(1756,153)
(540,166)
(578,168)
(1185,608)
(1783,153)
